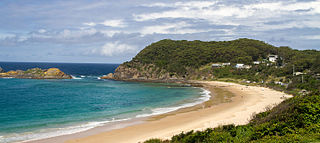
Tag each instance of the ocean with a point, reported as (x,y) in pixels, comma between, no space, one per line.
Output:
(33,109)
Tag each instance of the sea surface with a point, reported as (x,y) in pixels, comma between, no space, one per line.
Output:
(35,109)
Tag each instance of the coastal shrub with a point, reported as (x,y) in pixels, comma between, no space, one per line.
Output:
(156,141)
(295,120)
(290,138)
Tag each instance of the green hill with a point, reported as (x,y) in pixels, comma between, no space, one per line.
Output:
(295,71)
(167,60)
(177,56)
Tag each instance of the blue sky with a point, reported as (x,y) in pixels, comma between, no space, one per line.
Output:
(114,31)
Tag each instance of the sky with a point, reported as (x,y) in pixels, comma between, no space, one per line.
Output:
(114,31)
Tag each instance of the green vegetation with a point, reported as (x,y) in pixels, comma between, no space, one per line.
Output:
(177,56)
(193,59)
(294,120)
(35,71)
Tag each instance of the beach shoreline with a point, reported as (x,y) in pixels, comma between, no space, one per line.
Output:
(122,123)
(230,104)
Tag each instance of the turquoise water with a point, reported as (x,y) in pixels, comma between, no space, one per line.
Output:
(33,109)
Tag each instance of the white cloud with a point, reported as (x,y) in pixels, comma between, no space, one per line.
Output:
(110,33)
(114,23)
(208,10)
(252,15)
(114,48)
(188,5)
(170,28)
(22,38)
(215,15)
(90,24)
(5,36)
(42,30)
(313,6)
(312,37)
(76,33)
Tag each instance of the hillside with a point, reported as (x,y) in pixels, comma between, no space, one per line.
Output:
(293,71)
(191,60)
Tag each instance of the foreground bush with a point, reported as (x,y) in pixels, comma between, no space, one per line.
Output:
(294,120)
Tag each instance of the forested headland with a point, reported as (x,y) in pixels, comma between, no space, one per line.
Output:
(295,71)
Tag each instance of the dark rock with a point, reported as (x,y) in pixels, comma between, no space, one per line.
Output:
(1,70)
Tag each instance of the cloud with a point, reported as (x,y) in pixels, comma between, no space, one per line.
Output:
(312,37)
(7,36)
(253,15)
(170,28)
(309,7)
(42,30)
(69,34)
(120,29)
(114,23)
(114,48)
(90,24)
(193,10)
(190,4)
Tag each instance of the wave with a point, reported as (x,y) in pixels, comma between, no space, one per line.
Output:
(74,77)
(53,132)
(205,96)
(7,77)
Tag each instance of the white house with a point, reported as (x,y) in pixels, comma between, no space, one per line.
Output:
(216,65)
(239,66)
(226,64)
(298,73)
(256,62)
(242,66)
(247,66)
(272,58)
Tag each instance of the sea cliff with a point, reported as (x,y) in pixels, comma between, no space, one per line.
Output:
(36,73)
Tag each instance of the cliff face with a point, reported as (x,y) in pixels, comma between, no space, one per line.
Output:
(139,71)
(150,72)
(37,73)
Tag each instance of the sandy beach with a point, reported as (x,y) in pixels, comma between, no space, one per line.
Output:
(230,104)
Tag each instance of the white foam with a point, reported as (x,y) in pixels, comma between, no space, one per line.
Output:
(74,77)
(7,77)
(53,132)
(82,76)
(205,96)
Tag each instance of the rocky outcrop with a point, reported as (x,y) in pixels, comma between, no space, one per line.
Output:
(37,73)
(136,71)
(108,76)
(142,72)
(1,70)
